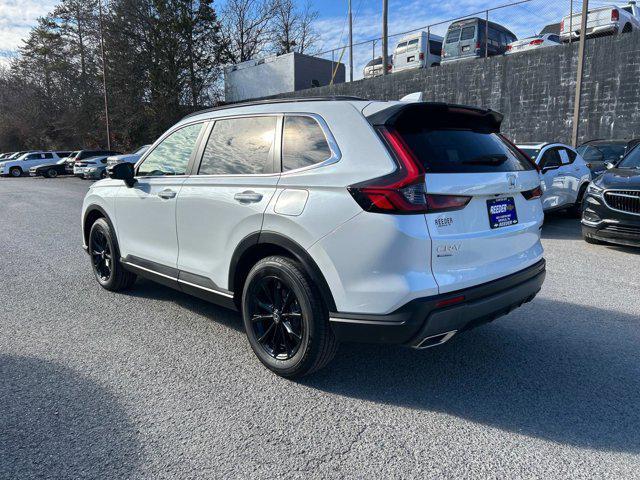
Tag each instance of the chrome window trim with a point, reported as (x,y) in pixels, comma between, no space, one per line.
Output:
(613,190)
(336,154)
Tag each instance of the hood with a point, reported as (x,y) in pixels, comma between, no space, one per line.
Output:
(619,178)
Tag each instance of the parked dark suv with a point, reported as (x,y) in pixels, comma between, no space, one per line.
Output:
(84,154)
(598,152)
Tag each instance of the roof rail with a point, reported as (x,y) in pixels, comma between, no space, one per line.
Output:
(277,100)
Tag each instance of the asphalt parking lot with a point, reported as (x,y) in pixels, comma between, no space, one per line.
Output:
(156,384)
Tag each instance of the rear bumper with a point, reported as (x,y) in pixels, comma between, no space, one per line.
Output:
(428,321)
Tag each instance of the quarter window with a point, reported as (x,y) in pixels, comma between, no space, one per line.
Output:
(172,155)
(303,143)
(550,158)
(240,146)
(468,33)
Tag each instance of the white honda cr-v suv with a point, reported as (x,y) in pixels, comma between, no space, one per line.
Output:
(327,220)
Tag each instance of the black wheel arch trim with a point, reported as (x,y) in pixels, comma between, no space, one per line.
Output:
(298,252)
(85,232)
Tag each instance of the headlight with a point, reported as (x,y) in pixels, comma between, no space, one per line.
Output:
(594,190)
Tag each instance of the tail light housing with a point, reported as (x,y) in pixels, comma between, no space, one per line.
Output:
(421,56)
(538,41)
(509,47)
(403,191)
(562,25)
(478,45)
(615,15)
(532,194)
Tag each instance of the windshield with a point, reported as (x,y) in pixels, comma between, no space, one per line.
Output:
(60,162)
(532,153)
(611,152)
(632,160)
(144,148)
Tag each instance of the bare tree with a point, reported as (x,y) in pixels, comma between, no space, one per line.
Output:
(293,29)
(247,27)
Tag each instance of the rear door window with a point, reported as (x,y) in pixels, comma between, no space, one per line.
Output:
(468,33)
(453,35)
(464,151)
(435,47)
(303,143)
(240,146)
(401,48)
(550,159)
(412,45)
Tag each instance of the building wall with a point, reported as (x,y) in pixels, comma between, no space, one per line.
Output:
(534,90)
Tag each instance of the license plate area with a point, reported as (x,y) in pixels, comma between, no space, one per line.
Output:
(502,212)
(466,48)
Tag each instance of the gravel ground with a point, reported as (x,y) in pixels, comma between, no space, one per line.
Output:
(156,384)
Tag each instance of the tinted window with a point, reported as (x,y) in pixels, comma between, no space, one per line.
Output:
(590,153)
(401,47)
(632,160)
(550,158)
(468,33)
(48,155)
(240,146)
(303,143)
(464,151)
(412,45)
(453,35)
(435,47)
(554,38)
(172,155)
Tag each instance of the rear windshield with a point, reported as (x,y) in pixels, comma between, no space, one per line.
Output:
(464,151)
(453,35)
(468,33)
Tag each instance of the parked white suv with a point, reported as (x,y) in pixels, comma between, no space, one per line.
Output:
(565,175)
(23,163)
(327,220)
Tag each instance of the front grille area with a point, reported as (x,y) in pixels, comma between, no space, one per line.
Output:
(624,200)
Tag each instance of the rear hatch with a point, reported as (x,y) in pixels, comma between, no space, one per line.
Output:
(462,41)
(482,204)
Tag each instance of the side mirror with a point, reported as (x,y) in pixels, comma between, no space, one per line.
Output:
(609,165)
(122,171)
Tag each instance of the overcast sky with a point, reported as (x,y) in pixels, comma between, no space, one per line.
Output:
(18,16)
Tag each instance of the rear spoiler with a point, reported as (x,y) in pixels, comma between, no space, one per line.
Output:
(437,116)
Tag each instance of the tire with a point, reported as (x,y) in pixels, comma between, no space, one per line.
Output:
(15,172)
(287,327)
(52,173)
(105,258)
(576,209)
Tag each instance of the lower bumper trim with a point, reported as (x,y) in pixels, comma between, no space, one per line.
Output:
(422,324)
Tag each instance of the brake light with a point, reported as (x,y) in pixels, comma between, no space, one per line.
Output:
(562,25)
(532,194)
(509,47)
(421,56)
(536,42)
(403,191)
(615,15)
(477,45)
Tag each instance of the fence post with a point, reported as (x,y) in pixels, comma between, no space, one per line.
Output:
(426,60)
(576,100)
(486,35)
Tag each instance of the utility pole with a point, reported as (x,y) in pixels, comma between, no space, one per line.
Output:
(104,77)
(350,44)
(576,100)
(385,36)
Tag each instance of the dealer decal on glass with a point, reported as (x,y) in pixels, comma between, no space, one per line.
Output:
(502,212)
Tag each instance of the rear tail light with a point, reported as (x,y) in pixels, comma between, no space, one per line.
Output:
(509,47)
(388,68)
(532,194)
(403,191)
(536,42)
(478,45)
(562,26)
(421,56)
(615,15)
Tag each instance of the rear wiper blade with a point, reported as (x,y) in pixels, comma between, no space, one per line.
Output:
(496,159)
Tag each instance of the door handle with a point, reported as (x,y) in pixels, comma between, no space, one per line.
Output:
(248,197)
(167,194)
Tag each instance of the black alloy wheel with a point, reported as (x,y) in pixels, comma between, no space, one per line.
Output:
(286,318)
(52,173)
(276,318)
(101,255)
